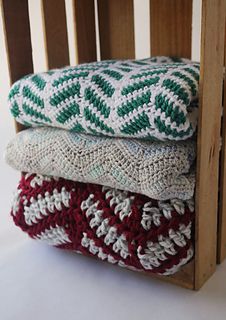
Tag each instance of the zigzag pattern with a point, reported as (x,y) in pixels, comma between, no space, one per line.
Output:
(153,98)
(120,227)
(161,170)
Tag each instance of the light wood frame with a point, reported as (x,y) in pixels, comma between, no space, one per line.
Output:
(171,32)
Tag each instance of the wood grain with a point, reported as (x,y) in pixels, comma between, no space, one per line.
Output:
(221,254)
(116,26)
(55,33)
(210,106)
(85,30)
(171,26)
(18,40)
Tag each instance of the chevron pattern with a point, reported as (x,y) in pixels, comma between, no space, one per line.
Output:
(161,170)
(120,227)
(153,98)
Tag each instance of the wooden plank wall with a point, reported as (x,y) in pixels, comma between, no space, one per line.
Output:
(116,25)
(171,27)
(208,148)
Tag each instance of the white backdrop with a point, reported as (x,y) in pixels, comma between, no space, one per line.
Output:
(40,282)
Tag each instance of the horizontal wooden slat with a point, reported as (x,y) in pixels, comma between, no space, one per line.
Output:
(18,39)
(171,26)
(116,26)
(55,33)
(85,32)
(210,107)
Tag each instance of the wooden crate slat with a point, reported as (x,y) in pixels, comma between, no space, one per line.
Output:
(184,277)
(116,26)
(55,33)
(222,204)
(85,31)
(171,27)
(210,106)
(18,40)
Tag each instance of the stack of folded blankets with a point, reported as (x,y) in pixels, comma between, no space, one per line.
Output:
(108,160)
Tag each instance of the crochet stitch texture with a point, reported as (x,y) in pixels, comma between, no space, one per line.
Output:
(149,98)
(120,227)
(160,170)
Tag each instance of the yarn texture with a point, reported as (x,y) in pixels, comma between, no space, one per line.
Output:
(160,170)
(153,98)
(123,228)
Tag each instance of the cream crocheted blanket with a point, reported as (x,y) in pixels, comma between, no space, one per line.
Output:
(160,170)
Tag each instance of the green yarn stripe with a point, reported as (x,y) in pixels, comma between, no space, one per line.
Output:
(125,69)
(14,91)
(31,112)
(96,101)
(139,123)
(113,74)
(73,76)
(139,62)
(166,129)
(27,93)
(187,80)
(149,73)
(176,89)
(139,85)
(39,82)
(134,104)
(104,85)
(77,128)
(15,109)
(193,73)
(171,111)
(93,118)
(67,113)
(71,91)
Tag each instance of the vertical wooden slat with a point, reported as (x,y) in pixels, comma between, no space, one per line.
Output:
(18,40)
(116,25)
(210,106)
(85,32)
(55,33)
(222,204)
(171,27)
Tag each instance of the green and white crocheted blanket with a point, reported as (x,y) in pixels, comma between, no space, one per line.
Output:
(153,98)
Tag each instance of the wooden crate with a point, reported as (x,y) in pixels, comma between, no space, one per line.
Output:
(171,34)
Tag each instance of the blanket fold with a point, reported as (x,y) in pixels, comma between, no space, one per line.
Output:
(153,98)
(120,227)
(160,170)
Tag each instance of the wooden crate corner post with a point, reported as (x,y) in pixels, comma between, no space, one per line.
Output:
(208,146)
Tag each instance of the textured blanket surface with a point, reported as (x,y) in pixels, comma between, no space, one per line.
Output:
(123,228)
(160,170)
(149,98)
